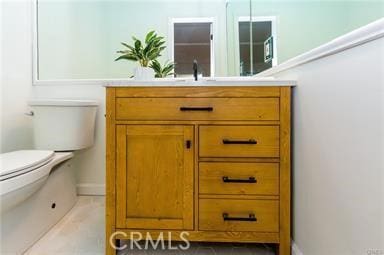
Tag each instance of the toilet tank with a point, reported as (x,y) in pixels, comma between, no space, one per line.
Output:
(63,124)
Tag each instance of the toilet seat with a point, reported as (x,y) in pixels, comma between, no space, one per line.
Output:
(24,172)
(20,162)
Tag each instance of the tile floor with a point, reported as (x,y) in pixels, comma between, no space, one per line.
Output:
(81,232)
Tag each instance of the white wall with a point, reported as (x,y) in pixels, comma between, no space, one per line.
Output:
(338,152)
(16,76)
(16,84)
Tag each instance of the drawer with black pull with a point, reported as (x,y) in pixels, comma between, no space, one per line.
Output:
(197,108)
(238,141)
(238,178)
(239,215)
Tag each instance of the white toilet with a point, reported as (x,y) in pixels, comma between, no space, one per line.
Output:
(38,187)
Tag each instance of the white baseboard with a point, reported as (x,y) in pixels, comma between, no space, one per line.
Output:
(295,249)
(92,189)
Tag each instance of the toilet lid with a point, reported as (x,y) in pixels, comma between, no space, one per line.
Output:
(16,161)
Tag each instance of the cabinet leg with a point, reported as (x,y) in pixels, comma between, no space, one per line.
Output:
(109,250)
(284,248)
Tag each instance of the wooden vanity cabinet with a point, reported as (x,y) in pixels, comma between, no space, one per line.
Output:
(213,161)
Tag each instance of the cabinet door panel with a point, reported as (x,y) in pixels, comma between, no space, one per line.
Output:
(154,177)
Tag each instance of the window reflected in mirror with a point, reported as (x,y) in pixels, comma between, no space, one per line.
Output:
(192,41)
(252,38)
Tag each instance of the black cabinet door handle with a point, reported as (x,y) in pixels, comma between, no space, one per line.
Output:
(188,144)
(206,109)
(251,217)
(249,180)
(249,141)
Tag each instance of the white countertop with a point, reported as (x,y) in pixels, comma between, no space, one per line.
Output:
(214,81)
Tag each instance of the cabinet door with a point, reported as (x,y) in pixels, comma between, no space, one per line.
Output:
(154,176)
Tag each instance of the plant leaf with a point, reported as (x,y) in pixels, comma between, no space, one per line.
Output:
(128,46)
(150,35)
(137,45)
(146,54)
(127,56)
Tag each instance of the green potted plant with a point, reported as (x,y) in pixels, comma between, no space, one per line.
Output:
(144,53)
(162,71)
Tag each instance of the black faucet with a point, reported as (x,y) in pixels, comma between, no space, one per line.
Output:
(195,69)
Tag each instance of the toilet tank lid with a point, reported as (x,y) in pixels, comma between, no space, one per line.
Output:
(15,161)
(62,102)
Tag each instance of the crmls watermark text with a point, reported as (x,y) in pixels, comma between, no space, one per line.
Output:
(375,252)
(163,241)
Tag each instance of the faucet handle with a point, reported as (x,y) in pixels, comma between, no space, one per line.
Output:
(30,113)
(194,64)
(195,69)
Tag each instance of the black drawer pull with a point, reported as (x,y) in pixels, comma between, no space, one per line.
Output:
(207,109)
(249,180)
(251,217)
(249,141)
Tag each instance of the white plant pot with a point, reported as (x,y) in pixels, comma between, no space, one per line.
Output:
(144,73)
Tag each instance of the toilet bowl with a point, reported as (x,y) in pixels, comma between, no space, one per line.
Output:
(38,187)
(23,172)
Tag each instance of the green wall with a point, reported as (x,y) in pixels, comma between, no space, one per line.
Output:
(79,39)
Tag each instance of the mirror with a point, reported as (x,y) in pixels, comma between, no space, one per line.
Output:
(78,39)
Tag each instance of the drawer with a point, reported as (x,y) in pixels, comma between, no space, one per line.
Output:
(197,108)
(238,141)
(239,215)
(239,178)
